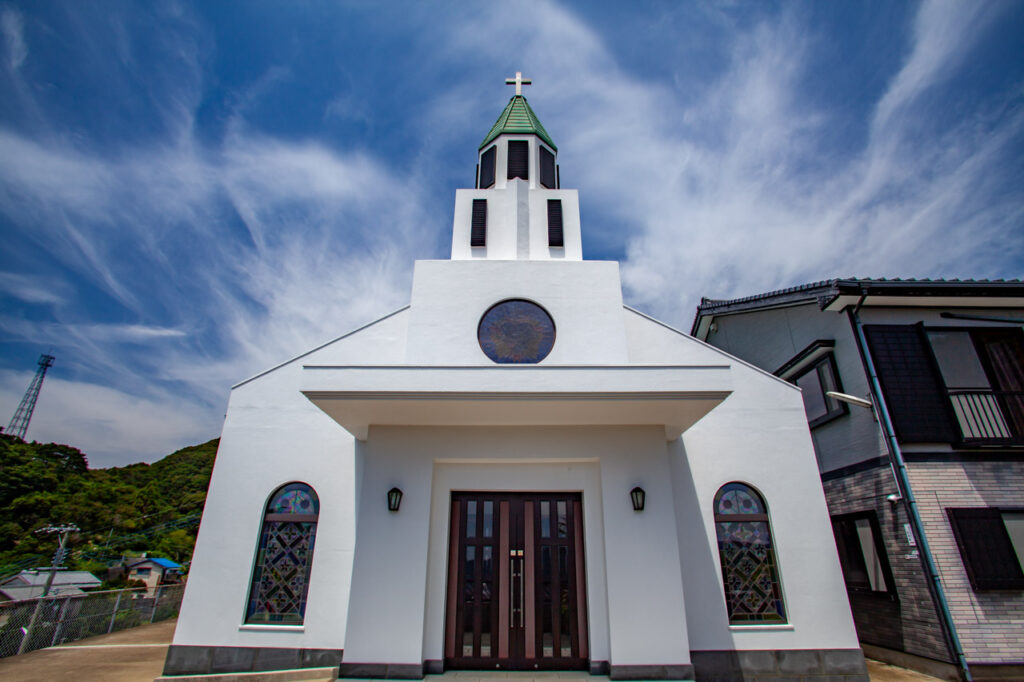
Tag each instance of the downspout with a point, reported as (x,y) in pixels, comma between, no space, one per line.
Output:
(899,468)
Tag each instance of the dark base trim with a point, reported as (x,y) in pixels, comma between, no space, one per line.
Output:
(433,667)
(207,660)
(768,664)
(850,470)
(651,672)
(599,668)
(383,671)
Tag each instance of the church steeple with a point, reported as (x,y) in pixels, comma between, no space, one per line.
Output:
(517,210)
(518,117)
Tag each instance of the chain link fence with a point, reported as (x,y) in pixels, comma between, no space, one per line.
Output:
(32,624)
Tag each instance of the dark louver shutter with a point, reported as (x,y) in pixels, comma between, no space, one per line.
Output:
(547,168)
(915,394)
(519,160)
(487,165)
(555,236)
(985,546)
(478,237)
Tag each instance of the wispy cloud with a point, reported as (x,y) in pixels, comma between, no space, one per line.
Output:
(13,27)
(739,190)
(206,257)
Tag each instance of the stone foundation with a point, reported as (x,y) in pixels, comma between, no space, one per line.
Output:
(780,664)
(206,660)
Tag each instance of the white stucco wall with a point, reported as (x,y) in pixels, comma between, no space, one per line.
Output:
(273,435)
(653,580)
(758,436)
(449,297)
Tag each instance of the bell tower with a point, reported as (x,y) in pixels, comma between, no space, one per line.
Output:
(518,210)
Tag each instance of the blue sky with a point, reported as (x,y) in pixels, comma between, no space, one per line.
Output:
(193,192)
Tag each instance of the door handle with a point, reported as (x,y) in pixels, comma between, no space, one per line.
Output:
(520,604)
(522,590)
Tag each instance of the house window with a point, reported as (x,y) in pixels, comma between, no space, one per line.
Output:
(983,372)
(518,159)
(280,577)
(862,553)
(547,168)
(749,567)
(143,571)
(478,231)
(815,381)
(488,161)
(814,370)
(991,544)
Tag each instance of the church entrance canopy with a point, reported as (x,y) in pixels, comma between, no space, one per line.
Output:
(672,396)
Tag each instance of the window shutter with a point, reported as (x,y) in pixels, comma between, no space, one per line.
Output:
(555,235)
(985,547)
(478,235)
(547,168)
(519,159)
(914,393)
(487,164)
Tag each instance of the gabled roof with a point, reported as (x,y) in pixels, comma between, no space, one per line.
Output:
(836,293)
(163,563)
(518,118)
(38,579)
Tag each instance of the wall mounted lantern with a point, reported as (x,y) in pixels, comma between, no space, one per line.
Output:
(638,496)
(394,499)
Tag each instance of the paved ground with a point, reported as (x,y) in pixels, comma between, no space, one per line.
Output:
(133,655)
(137,655)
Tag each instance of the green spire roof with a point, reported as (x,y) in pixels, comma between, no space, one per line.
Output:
(518,117)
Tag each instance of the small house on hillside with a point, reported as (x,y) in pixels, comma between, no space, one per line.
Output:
(155,571)
(30,584)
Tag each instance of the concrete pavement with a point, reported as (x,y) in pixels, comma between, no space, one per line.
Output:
(137,655)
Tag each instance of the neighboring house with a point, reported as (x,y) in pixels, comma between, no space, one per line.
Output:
(154,571)
(949,360)
(29,584)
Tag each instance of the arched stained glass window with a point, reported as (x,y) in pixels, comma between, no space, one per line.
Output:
(749,567)
(280,578)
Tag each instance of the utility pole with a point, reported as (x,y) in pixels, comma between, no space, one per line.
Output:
(58,559)
(60,554)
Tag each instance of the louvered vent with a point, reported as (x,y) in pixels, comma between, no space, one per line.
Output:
(555,236)
(478,236)
(487,164)
(519,160)
(547,168)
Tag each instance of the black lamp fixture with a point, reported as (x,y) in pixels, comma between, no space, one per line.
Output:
(638,496)
(394,499)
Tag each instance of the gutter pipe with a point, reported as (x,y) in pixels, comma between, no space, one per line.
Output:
(899,468)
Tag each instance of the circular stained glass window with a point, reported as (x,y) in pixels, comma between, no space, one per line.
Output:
(516,331)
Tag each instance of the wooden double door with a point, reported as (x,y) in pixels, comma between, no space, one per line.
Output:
(516,582)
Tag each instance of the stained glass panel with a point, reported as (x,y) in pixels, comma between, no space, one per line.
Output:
(749,567)
(280,580)
(516,331)
(294,498)
(736,498)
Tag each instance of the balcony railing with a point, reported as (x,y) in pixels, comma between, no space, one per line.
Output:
(989,415)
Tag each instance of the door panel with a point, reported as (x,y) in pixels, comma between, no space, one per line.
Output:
(516,582)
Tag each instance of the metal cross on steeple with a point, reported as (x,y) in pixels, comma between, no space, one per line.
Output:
(519,82)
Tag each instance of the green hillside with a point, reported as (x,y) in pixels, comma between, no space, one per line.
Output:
(151,508)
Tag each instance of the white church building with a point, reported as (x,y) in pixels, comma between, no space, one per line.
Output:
(516,471)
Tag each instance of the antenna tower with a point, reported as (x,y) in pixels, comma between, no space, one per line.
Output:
(23,415)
